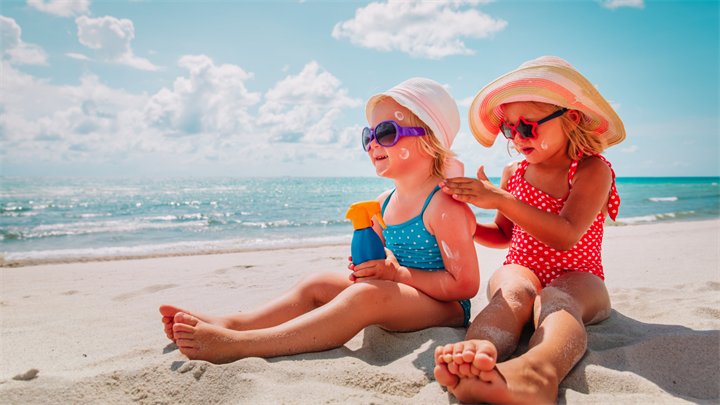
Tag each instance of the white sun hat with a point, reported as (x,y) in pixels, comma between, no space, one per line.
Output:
(432,103)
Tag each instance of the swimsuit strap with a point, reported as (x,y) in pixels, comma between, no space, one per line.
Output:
(522,168)
(429,198)
(571,172)
(387,200)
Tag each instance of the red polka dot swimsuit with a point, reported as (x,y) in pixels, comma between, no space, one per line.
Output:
(546,262)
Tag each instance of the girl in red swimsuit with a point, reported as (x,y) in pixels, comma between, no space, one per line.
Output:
(550,212)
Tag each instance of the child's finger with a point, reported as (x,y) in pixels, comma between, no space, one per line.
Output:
(364,273)
(481,174)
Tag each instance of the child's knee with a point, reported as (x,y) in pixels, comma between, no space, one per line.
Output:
(516,292)
(552,299)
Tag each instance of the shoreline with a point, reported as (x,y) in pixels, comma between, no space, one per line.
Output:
(89,259)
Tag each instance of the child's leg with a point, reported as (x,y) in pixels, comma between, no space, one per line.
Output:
(494,334)
(559,342)
(391,305)
(312,291)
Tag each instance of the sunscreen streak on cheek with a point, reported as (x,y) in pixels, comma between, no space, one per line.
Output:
(544,145)
(399,115)
(404,153)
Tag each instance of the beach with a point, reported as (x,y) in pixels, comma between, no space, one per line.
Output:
(92,329)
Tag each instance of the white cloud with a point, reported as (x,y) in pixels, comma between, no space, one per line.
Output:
(466,102)
(43,122)
(15,50)
(110,39)
(422,29)
(615,106)
(62,8)
(77,56)
(303,107)
(630,149)
(213,100)
(203,118)
(680,164)
(614,4)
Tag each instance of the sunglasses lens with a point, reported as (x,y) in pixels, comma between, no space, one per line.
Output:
(506,130)
(366,139)
(525,130)
(385,134)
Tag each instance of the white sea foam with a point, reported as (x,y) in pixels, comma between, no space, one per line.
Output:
(651,218)
(658,199)
(82,228)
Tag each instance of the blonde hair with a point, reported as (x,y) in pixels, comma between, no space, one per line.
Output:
(429,143)
(583,141)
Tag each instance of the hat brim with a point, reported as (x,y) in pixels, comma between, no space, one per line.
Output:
(545,82)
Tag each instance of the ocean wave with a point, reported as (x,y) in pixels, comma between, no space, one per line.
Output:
(285,222)
(655,217)
(179,247)
(658,199)
(84,228)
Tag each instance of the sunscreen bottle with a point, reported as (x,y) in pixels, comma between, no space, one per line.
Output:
(366,244)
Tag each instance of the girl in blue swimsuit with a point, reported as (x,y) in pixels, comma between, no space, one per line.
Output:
(431,269)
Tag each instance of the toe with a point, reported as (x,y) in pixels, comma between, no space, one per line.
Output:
(439,360)
(169,310)
(444,377)
(485,356)
(182,327)
(184,318)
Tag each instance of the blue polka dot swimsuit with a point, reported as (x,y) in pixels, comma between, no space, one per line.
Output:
(415,247)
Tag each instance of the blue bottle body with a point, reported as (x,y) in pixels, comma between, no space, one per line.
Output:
(366,245)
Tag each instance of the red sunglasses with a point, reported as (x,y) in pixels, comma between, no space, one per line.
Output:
(526,129)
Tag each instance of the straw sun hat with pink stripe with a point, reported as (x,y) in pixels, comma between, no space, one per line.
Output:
(547,79)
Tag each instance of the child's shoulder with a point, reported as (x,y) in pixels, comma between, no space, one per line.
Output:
(383,196)
(444,210)
(593,167)
(509,171)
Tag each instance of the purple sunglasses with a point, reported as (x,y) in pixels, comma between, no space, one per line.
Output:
(388,133)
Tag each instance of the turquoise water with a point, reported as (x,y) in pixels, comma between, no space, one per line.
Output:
(43,217)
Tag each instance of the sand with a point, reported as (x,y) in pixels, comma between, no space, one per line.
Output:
(87,333)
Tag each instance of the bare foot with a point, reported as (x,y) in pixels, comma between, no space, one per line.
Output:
(516,381)
(467,359)
(169,311)
(199,340)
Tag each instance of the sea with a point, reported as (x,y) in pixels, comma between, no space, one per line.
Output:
(51,217)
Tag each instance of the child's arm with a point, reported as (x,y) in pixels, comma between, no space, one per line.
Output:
(497,234)
(453,226)
(590,191)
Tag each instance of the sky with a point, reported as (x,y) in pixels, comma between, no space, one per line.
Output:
(278,88)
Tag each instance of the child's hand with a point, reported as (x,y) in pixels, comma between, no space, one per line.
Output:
(376,269)
(481,192)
